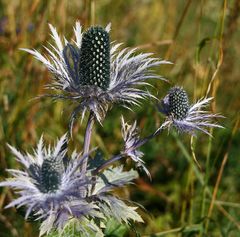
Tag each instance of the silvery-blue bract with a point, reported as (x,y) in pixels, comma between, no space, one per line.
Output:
(94,73)
(48,188)
(54,189)
(185,117)
(131,138)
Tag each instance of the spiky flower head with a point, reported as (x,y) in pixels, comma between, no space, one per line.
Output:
(50,190)
(94,73)
(186,117)
(55,190)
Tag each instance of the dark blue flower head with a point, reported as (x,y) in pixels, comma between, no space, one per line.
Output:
(50,190)
(185,117)
(90,65)
(95,58)
(56,191)
(178,103)
(94,73)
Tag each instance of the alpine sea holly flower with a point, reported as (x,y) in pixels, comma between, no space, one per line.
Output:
(94,73)
(110,207)
(185,117)
(49,189)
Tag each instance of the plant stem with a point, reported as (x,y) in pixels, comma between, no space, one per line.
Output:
(87,139)
(175,230)
(134,147)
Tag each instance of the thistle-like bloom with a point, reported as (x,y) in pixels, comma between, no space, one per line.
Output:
(50,189)
(131,140)
(94,73)
(55,190)
(185,117)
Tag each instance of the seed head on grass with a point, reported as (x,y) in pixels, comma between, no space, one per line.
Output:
(185,117)
(94,73)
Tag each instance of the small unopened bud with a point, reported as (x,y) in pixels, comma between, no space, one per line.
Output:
(178,103)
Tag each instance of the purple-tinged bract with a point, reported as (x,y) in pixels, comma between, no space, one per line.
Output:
(55,189)
(94,73)
(50,189)
(185,117)
(131,139)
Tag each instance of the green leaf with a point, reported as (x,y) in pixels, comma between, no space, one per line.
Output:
(79,228)
(115,229)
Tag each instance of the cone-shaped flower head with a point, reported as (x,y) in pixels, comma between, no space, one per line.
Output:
(51,172)
(185,117)
(94,73)
(95,58)
(178,103)
(50,190)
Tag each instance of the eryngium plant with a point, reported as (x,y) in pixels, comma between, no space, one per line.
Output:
(75,193)
(48,189)
(185,117)
(55,190)
(93,73)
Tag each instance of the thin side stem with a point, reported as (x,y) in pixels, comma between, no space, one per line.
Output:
(175,230)
(87,139)
(134,147)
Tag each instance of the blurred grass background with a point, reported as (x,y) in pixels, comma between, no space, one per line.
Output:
(202,39)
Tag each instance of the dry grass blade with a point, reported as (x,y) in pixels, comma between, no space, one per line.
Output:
(9,226)
(220,174)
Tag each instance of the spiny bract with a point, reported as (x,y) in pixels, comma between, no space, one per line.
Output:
(185,117)
(55,189)
(94,73)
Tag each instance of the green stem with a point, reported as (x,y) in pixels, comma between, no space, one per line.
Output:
(205,186)
(175,230)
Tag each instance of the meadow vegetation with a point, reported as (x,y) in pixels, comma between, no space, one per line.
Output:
(201,38)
